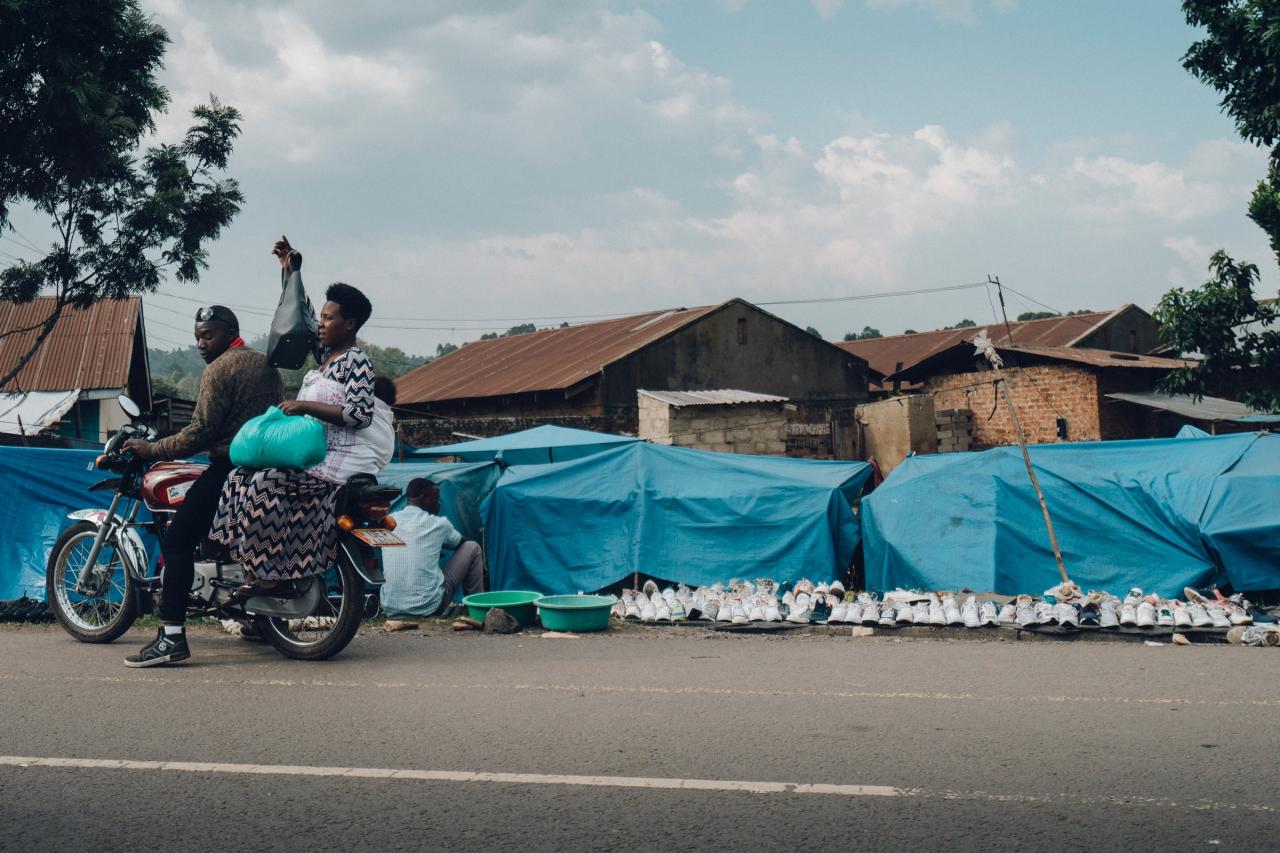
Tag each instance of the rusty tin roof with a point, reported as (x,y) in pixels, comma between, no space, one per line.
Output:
(89,349)
(546,360)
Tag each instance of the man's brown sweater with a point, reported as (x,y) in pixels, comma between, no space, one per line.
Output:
(237,386)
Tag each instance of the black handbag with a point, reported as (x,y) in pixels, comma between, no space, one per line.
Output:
(293,328)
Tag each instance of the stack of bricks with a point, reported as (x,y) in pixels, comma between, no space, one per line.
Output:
(955,429)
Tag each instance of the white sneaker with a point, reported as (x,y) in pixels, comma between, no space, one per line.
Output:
(822,589)
(969,613)
(951,611)
(771,611)
(710,608)
(937,616)
(853,613)
(836,589)
(630,609)
(739,616)
(906,615)
(650,589)
(1066,614)
(987,613)
(618,611)
(1200,617)
(1218,615)
(648,611)
(1044,612)
(1164,615)
(1107,617)
(1008,613)
(662,612)
(887,619)
(755,613)
(1128,613)
(870,613)
(726,610)
(678,613)
(920,614)
(669,596)
(1146,614)
(1181,614)
(799,614)
(838,611)
(1026,611)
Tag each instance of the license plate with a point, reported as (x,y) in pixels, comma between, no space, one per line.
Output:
(377,537)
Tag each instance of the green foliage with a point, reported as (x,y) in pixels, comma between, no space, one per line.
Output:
(963,324)
(445,349)
(522,329)
(910,332)
(811,330)
(77,94)
(1036,315)
(1226,325)
(866,334)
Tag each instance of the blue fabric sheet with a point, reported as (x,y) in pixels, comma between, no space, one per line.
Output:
(679,514)
(463,486)
(1160,514)
(41,486)
(541,444)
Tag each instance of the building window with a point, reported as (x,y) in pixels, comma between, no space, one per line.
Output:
(742,330)
(1133,340)
(1062,429)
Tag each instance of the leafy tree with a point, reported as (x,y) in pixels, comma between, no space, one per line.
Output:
(1036,315)
(963,324)
(445,349)
(910,332)
(811,330)
(1222,320)
(866,334)
(77,94)
(1224,323)
(522,329)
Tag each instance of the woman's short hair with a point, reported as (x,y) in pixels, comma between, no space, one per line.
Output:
(353,304)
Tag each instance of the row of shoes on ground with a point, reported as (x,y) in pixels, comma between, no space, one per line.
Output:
(737,603)
(742,602)
(25,610)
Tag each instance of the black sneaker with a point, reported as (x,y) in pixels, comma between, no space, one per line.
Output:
(163,649)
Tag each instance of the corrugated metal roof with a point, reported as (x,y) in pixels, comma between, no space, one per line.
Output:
(89,348)
(547,360)
(948,359)
(725,396)
(885,354)
(1205,409)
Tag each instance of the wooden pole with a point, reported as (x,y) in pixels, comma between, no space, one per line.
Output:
(1031,472)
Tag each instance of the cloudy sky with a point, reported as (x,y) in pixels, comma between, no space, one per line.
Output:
(474,163)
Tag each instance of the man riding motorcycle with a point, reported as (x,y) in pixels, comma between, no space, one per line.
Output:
(237,385)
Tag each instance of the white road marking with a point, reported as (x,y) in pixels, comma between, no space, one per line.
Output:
(672,784)
(177,678)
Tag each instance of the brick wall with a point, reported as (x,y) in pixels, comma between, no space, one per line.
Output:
(1040,393)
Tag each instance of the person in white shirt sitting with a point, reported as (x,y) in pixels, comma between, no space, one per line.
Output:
(416,586)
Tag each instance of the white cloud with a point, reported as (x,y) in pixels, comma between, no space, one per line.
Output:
(827,9)
(952,11)
(1116,190)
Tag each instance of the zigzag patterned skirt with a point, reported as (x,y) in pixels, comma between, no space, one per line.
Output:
(278,523)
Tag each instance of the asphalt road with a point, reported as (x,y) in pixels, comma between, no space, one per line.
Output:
(639,740)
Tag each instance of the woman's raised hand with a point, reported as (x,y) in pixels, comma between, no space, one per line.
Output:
(289,257)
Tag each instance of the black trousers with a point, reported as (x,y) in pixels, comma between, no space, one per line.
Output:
(190,525)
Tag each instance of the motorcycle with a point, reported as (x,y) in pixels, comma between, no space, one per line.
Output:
(99,578)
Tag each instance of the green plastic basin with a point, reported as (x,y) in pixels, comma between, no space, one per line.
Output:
(575,612)
(517,603)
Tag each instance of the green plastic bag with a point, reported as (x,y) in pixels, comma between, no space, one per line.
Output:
(276,440)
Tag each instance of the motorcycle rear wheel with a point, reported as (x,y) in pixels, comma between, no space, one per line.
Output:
(331,627)
(90,619)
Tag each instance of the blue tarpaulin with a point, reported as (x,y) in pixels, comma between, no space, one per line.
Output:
(41,485)
(463,485)
(546,443)
(1161,514)
(674,513)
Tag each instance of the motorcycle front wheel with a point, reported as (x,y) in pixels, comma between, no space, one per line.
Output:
(111,607)
(330,627)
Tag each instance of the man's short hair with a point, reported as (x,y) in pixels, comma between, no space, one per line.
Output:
(220,314)
(384,389)
(420,487)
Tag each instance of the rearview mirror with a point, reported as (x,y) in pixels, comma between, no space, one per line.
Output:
(130,408)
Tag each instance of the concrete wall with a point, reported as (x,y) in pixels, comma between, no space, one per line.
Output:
(893,428)
(753,428)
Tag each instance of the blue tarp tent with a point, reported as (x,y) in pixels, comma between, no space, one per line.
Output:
(1241,522)
(546,443)
(679,514)
(1127,513)
(41,485)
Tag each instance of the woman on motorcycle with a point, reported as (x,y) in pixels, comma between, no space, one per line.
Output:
(279,523)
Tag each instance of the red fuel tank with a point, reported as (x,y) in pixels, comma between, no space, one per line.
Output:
(165,484)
